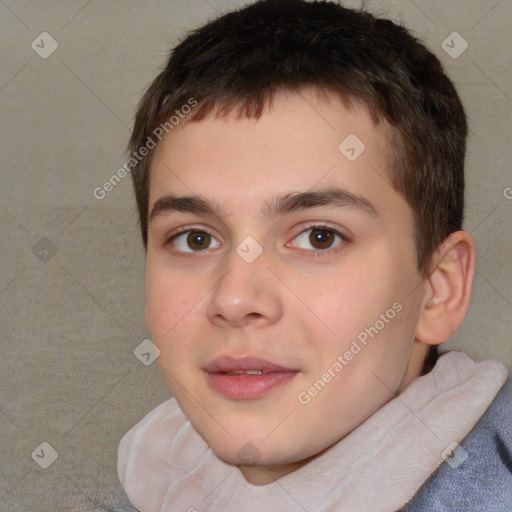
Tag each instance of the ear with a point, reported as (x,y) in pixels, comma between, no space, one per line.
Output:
(448,289)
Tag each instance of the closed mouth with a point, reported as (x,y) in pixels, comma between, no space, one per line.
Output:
(248,365)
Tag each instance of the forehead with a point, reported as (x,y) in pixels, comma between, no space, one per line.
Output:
(301,142)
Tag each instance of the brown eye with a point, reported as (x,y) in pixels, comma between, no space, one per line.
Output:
(192,240)
(198,240)
(321,238)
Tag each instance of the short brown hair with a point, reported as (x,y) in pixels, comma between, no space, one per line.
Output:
(239,61)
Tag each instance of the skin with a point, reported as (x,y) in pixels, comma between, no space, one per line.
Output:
(295,305)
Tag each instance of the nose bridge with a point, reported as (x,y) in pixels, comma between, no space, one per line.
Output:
(245,293)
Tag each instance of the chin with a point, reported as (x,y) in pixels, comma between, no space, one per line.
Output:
(244,452)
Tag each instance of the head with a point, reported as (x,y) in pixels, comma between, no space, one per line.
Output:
(334,140)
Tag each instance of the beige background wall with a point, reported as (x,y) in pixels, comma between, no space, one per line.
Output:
(71,276)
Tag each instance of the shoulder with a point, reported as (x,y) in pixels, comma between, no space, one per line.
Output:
(145,435)
(480,477)
(163,444)
(499,413)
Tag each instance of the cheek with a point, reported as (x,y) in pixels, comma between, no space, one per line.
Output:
(343,300)
(172,301)
(365,302)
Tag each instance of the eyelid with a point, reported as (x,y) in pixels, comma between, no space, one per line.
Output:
(185,229)
(322,225)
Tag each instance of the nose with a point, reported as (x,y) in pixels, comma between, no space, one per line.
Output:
(247,294)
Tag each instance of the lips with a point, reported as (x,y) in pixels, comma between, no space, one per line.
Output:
(227,364)
(246,378)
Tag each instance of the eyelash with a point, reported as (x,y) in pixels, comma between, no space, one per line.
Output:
(313,252)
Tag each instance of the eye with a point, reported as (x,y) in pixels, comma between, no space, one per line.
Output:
(321,238)
(193,240)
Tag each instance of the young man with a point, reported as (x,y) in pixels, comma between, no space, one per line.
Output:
(302,215)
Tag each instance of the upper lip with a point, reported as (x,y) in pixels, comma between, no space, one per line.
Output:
(247,363)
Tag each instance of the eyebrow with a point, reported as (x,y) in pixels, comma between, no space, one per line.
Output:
(278,205)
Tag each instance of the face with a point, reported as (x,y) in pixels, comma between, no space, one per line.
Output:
(281,281)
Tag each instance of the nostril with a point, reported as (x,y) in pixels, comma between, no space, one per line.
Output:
(253,317)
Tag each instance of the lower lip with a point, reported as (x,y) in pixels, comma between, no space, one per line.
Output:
(246,387)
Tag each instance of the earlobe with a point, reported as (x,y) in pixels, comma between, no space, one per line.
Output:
(448,289)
